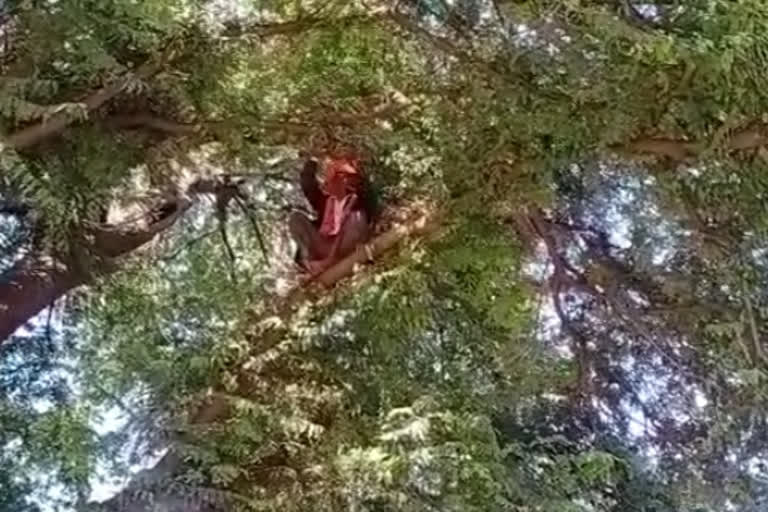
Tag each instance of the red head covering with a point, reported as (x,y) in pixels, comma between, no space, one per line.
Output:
(341,176)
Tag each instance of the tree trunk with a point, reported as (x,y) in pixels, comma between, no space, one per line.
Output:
(28,287)
(35,282)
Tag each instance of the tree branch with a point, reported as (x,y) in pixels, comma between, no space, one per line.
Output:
(677,150)
(36,280)
(152,122)
(421,225)
(216,407)
(36,133)
(300,25)
(680,150)
(443,44)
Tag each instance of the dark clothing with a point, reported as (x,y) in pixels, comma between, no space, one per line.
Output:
(314,245)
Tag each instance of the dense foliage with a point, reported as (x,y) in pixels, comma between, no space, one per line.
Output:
(581,327)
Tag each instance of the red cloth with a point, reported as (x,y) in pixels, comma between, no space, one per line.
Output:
(341,177)
(341,165)
(335,212)
(340,183)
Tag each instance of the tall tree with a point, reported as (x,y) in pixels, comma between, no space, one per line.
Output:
(581,327)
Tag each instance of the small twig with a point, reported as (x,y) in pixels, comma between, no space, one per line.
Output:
(256,229)
(222,220)
(48,328)
(230,253)
(759,353)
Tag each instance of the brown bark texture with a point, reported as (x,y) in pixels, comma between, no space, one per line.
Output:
(36,281)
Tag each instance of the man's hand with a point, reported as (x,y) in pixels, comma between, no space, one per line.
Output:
(317,267)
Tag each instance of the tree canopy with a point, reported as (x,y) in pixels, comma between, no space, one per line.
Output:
(567,308)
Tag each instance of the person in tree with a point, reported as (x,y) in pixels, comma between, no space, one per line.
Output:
(344,213)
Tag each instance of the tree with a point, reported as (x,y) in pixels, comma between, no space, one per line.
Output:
(596,167)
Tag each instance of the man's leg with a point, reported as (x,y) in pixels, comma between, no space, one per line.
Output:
(355,231)
(311,244)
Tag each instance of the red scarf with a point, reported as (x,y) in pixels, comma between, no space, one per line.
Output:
(336,211)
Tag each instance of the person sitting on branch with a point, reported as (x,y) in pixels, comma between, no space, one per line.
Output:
(344,213)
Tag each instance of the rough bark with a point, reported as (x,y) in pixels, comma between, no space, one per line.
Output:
(38,132)
(34,284)
(36,281)
(149,121)
(680,150)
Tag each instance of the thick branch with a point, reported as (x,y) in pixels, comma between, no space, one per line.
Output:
(445,45)
(300,25)
(132,499)
(36,281)
(675,149)
(379,245)
(680,150)
(36,133)
(28,287)
(152,122)
(309,123)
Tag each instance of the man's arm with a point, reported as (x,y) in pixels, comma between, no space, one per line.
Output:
(311,188)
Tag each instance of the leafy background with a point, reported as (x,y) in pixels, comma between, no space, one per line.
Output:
(582,330)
